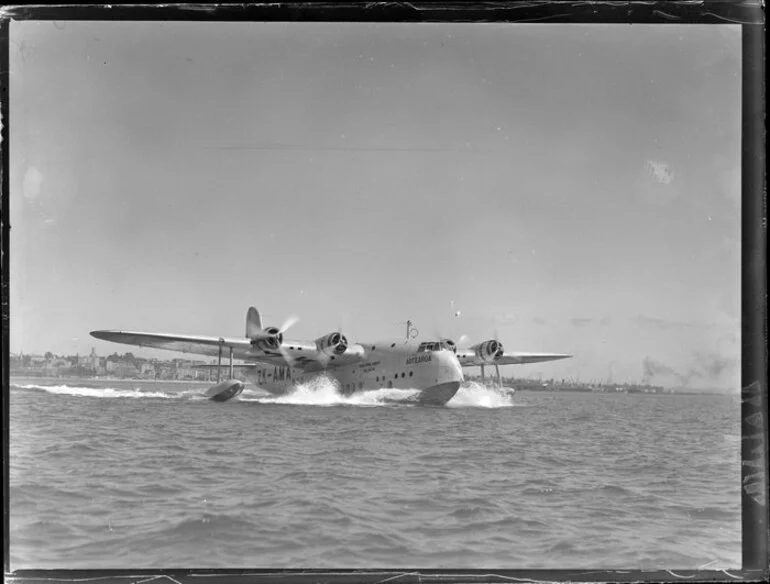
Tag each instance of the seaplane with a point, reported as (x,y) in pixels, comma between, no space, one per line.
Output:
(277,365)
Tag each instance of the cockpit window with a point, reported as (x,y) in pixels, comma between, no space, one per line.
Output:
(435,346)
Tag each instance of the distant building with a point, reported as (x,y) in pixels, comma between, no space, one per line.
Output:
(126,370)
(57,363)
(37,361)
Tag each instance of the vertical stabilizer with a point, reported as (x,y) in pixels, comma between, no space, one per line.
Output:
(253,323)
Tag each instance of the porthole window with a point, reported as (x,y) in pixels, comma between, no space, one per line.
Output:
(403,375)
(411,373)
(393,345)
(395,376)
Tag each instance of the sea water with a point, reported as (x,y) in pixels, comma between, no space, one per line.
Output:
(129,474)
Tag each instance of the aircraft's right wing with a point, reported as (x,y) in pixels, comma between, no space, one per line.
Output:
(469,358)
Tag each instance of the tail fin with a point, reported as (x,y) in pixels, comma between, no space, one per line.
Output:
(253,322)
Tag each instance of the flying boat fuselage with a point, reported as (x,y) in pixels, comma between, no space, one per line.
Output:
(431,368)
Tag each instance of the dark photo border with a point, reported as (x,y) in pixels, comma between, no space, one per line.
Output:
(754,415)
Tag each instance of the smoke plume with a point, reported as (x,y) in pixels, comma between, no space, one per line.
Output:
(709,367)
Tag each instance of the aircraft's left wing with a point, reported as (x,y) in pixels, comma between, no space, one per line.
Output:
(471,359)
(295,353)
(199,345)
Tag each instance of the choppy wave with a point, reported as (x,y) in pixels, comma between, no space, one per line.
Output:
(111,392)
(475,395)
(581,481)
(325,391)
(321,391)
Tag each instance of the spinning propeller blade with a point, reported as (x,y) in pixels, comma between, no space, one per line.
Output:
(288,323)
(462,341)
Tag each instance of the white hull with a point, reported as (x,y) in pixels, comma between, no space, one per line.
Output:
(436,375)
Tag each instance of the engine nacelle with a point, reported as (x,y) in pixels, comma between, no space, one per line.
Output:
(332,344)
(270,340)
(489,351)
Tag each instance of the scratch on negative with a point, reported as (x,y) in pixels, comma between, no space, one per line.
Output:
(720,17)
(156,577)
(680,575)
(398,576)
(665,15)
(512,579)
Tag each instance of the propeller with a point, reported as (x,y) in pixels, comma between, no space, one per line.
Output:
(287,324)
(272,337)
(462,343)
(323,359)
(343,324)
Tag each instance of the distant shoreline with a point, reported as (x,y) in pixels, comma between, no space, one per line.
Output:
(552,390)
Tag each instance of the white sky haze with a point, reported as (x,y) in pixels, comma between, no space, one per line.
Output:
(575,188)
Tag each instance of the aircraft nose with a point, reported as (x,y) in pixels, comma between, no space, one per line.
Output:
(450,367)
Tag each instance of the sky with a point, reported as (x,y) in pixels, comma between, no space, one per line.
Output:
(566,188)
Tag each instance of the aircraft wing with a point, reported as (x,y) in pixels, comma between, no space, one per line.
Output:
(471,359)
(295,353)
